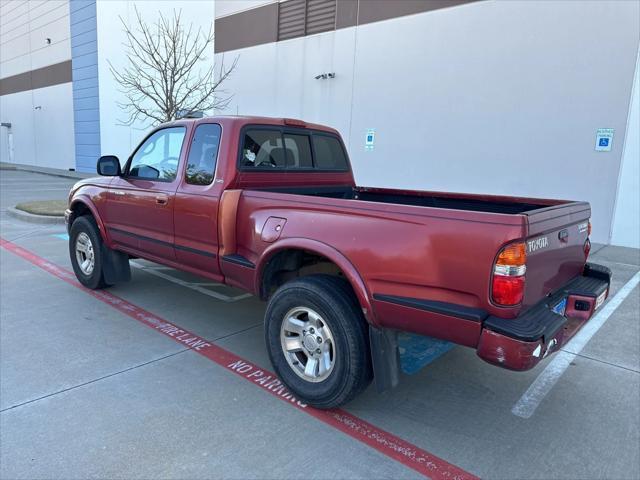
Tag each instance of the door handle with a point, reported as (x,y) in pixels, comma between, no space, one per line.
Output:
(162,199)
(120,193)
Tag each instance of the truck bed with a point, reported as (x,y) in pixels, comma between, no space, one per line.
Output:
(429,246)
(474,203)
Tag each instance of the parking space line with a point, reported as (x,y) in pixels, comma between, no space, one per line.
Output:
(380,440)
(197,286)
(542,385)
(191,285)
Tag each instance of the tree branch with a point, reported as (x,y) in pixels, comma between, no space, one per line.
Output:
(167,70)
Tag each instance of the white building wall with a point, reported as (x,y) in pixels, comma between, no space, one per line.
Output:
(41,119)
(626,220)
(278,79)
(116,138)
(488,97)
(17,109)
(53,127)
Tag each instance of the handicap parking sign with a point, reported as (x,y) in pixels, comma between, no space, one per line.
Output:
(604,139)
(369,139)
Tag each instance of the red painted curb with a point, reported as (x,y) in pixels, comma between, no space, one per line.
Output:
(384,442)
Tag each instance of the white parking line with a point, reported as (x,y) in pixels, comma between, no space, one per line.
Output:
(154,270)
(547,379)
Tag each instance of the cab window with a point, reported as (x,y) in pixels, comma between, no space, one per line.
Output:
(271,149)
(203,154)
(158,156)
(262,149)
(276,149)
(329,153)
(297,150)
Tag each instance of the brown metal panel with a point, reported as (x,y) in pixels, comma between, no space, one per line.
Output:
(297,18)
(38,78)
(246,29)
(346,13)
(376,10)
(321,16)
(15,83)
(51,75)
(291,19)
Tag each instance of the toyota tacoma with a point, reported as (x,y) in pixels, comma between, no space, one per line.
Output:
(270,206)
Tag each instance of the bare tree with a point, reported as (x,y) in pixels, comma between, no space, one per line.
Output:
(164,74)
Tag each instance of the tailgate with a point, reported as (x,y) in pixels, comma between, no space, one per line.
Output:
(555,248)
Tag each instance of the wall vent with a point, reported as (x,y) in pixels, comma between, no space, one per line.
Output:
(321,16)
(291,19)
(297,18)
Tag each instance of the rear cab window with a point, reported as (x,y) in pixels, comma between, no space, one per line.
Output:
(290,150)
(203,154)
(329,153)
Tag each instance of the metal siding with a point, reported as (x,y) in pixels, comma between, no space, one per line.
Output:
(89,47)
(291,19)
(321,16)
(84,58)
(87,126)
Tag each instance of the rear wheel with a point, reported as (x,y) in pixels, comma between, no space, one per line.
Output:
(85,246)
(317,339)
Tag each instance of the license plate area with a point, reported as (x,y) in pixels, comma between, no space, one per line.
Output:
(560,307)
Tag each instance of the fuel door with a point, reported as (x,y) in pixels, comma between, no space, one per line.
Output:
(272,229)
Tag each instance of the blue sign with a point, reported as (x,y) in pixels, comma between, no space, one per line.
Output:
(604,139)
(369,139)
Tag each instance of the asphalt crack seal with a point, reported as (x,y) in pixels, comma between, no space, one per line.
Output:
(384,442)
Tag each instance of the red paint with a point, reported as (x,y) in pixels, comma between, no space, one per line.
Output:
(429,253)
(508,352)
(519,355)
(384,442)
(583,315)
(515,354)
(507,290)
(454,329)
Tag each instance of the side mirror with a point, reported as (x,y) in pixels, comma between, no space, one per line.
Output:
(109,166)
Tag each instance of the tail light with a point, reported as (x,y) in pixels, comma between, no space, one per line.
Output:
(507,286)
(587,248)
(587,242)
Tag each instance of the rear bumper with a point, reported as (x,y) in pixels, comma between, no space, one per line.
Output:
(520,343)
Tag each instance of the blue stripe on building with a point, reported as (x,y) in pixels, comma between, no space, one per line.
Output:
(84,67)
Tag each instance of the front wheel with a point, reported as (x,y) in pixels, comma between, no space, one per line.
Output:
(317,339)
(85,247)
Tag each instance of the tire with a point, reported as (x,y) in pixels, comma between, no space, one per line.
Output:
(323,307)
(85,231)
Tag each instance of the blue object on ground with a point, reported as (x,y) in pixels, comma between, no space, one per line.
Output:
(62,236)
(417,351)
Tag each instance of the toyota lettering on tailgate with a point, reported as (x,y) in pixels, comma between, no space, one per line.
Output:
(537,244)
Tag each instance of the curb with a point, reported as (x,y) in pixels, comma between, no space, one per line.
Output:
(32,218)
(52,172)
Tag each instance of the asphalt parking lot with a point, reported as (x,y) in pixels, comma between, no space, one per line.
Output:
(117,385)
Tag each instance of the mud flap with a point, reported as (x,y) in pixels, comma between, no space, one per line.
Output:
(115,266)
(385,357)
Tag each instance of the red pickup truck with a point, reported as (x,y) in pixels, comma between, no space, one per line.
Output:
(270,206)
